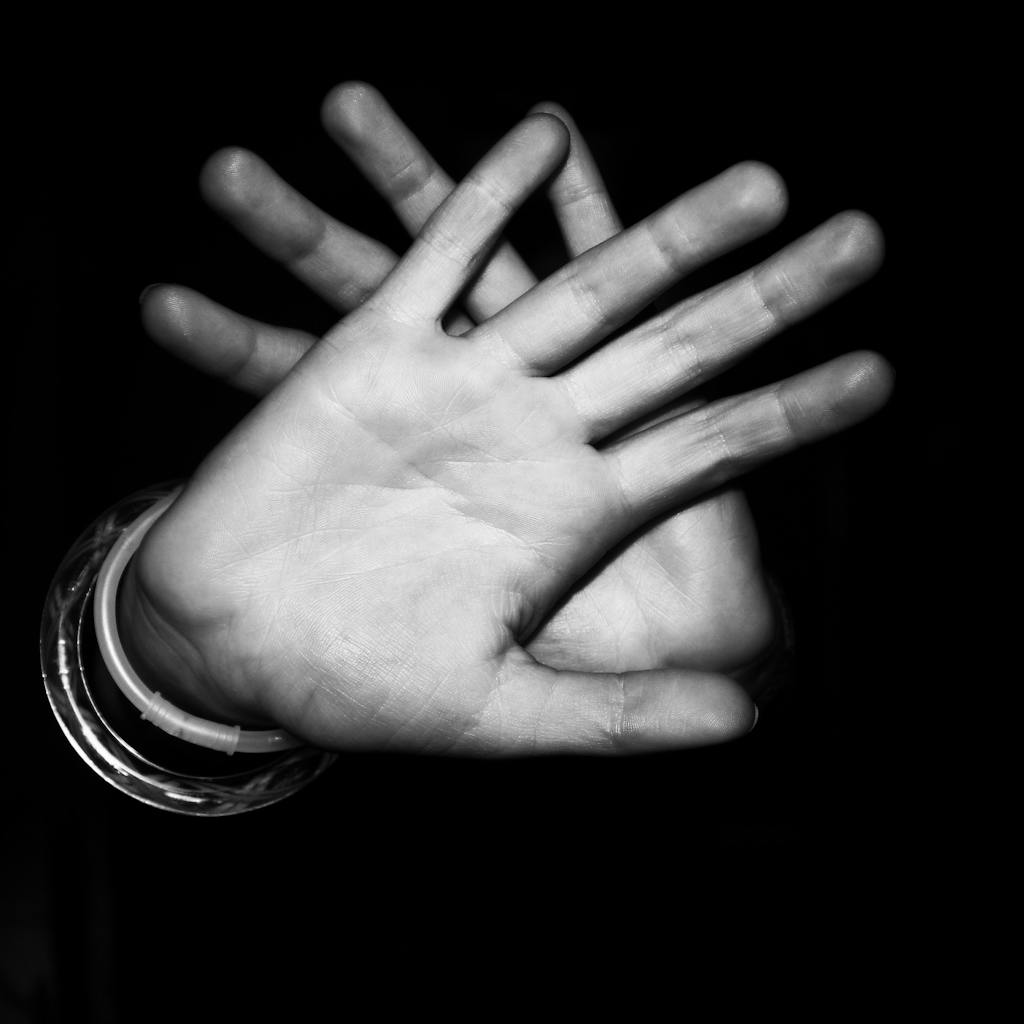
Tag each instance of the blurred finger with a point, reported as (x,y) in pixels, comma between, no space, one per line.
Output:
(578,195)
(685,457)
(452,244)
(684,347)
(398,165)
(580,305)
(340,264)
(246,353)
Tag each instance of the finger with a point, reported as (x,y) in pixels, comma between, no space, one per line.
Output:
(581,203)
(397,164)
(684,347)
(447,252)
(584,302)
(540,710)
(250,355)
(682,458)
(339,264)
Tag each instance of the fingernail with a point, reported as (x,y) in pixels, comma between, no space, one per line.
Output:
(146,291)
(757,715)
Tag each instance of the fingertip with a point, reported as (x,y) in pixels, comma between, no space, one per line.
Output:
(839,394)
(554,110)
(350,108)
(685,710)
(835,396)
(858,245)
(161,302)
(759,191)
(867,382)
(544,121)
(164,311)
(229,176)
(169,314)
(578,151)
(730,715)
(548,134)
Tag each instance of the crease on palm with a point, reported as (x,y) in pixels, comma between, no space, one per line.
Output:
(685,546)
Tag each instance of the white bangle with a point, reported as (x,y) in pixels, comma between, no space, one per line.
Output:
(185,780)
(155,708)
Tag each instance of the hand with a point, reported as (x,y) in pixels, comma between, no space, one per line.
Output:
(361,558)
(687,591)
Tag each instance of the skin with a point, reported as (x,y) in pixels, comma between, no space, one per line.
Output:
(389,551)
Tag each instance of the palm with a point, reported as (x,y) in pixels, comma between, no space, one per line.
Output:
(462,487)
(686,591)
(382,551)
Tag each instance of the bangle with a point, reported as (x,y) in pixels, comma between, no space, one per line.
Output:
(100,719)
(154,707)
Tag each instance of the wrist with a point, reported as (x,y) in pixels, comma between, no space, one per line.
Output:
(100,714)
(163,657)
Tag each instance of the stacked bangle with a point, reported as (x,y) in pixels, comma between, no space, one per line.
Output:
(78,665)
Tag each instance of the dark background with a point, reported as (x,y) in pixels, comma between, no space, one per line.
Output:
(107,905)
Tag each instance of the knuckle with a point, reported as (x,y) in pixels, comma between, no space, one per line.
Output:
(723,456)
(674,246)
(493,193)
(411,178)
(776,293)
(447,244)
(576,396)
(571,189)
(238,365)
(684,355)
(778,428)
(622,725)
(740,435)
(586,294)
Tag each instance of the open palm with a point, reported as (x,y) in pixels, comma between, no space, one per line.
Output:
(467,476)
(686,591)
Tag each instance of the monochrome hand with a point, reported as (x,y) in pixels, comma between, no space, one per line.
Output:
(507,370)
(687,591)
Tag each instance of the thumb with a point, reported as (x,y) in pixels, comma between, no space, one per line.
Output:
(539,710)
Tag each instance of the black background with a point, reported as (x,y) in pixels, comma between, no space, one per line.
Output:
(440,863)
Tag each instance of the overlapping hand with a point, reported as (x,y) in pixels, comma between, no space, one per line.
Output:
(387,551)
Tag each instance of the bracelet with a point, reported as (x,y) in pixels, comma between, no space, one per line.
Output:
(154,707)
(96,695)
